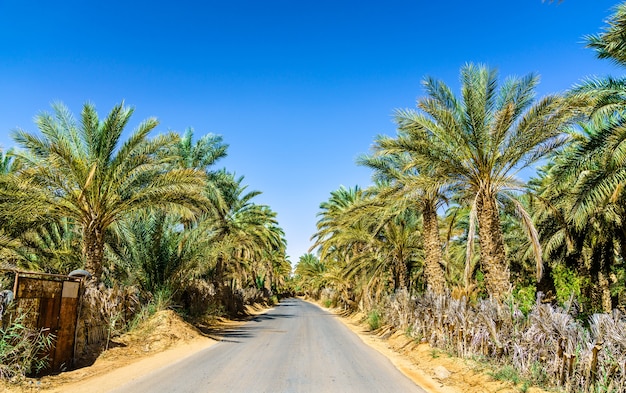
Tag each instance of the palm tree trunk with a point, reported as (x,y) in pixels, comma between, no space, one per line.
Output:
(93,249)
(435,278)
(492,252)
(401,279)
(600,269)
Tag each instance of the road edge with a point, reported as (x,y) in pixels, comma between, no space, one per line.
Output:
(404,365)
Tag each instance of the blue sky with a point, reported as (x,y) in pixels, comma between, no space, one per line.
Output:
(297,89)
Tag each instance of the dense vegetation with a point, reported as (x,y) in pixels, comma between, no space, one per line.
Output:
(452,246)
(147,212)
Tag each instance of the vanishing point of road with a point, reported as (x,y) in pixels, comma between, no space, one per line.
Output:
(294,347)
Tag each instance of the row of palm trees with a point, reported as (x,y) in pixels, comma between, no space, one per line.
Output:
(449,212)
(146,210)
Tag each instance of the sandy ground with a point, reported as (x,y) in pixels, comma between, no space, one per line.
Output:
(166,338)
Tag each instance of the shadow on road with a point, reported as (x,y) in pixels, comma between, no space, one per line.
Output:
(250,329)
(269,317)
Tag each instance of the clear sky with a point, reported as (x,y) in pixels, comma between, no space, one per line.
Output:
(298,89)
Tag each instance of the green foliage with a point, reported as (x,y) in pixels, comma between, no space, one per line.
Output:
(568,284)
(524,388)
(525,297)
(162,300)
(84,171)
(259,280)
(151,250)
(374,319)
(538,374)
(21,349)
(507,373)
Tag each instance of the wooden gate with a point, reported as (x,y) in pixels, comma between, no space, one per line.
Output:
(51,305)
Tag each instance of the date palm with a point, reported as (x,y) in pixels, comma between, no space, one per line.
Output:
(84,170)
(391,247)
(478,143)
(584,188)
(610,43)
(330,227)
(150,248)
(202,154)
(310,273)
(409,189)
(241,231)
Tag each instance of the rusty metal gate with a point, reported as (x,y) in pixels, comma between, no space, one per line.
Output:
(51,304)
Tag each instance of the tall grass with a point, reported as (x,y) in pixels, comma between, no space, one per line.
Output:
(21,349)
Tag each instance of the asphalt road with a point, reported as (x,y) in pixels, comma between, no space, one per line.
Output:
(295,347)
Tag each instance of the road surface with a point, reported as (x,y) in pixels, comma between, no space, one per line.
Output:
(295,347)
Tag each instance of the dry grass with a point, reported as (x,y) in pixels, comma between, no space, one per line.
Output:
(548,346)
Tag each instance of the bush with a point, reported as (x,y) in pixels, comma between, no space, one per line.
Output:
(21,348)
(373,319)
(525,298)
(568,284)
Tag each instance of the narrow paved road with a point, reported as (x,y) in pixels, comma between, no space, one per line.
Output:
(295,347)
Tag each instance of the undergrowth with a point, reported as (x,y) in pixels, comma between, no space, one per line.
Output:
(373,319)
(21,349)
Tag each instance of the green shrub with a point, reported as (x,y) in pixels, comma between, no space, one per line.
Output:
(507,373)
(21,348)
(525,298)
(568,283)
(373,319)
(161,300)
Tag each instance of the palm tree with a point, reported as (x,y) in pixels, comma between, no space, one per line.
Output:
(390,239)
(6,161)
(155,253)
(85,172)
(409,189)
(329,225)
(478,143)
(241,232)
(582,193)
(203,154)
(309,273)
(610,44)
(368,239)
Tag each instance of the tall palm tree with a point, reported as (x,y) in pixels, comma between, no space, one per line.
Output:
(410,189)
(583,189)
(86,172)
(478,142)
(241,231)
